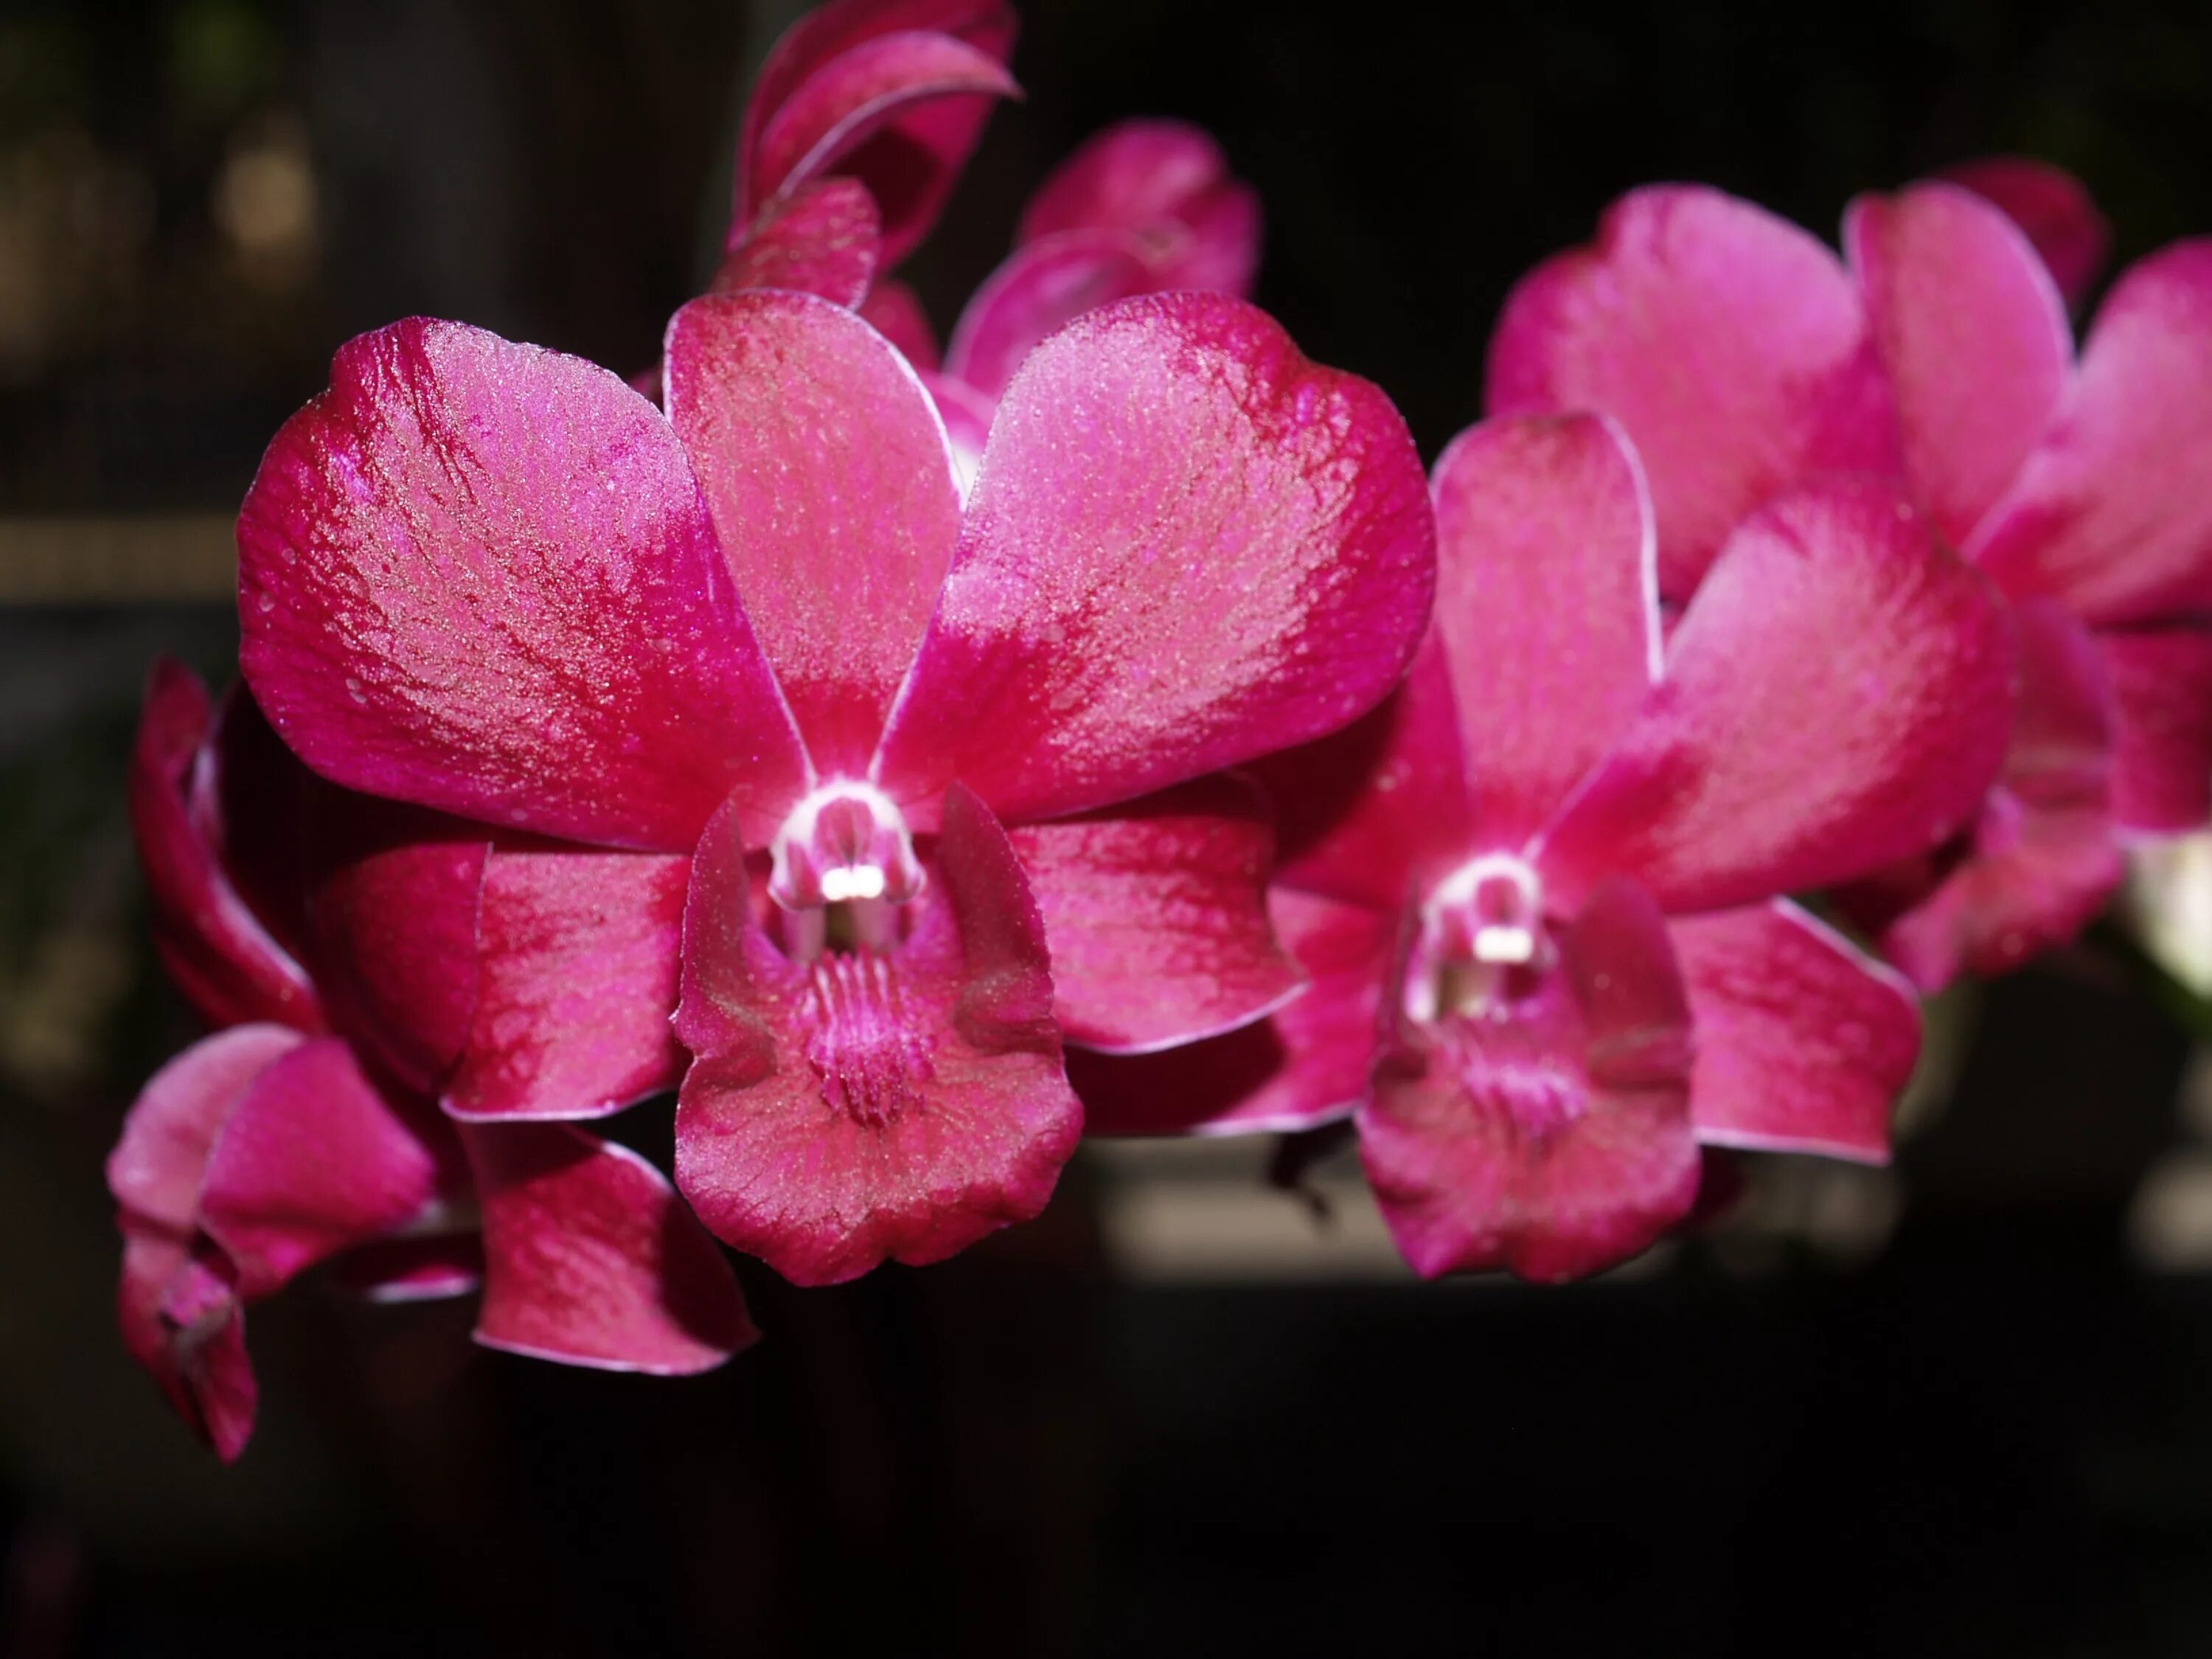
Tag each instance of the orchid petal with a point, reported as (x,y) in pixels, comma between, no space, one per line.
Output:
(1187,546)
(1037,290)
(480,576)
(1728,342)
(159,1163)
(200,1364)
(2053,207)
(824,239)
(426,1269)
(895,310)
(1165,180)
(2161,685)
(966,413)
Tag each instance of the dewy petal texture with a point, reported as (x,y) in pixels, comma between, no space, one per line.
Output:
(2054,210)
(825,239)
(1728,342)
(1156,916)
(826,470)
(1837,696)
(1973,336)
(1547,605)
(870,1105)
(1037,290)
(480,576)
(1187,546)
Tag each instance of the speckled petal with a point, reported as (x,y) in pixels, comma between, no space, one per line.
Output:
(823,239)
(1039,289)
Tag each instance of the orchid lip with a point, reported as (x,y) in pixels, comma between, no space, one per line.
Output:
(1481,934)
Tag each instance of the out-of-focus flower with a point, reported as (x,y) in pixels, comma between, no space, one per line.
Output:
(1744,357)
(333,938)
(493,581)
(1539,894)
(2053,209)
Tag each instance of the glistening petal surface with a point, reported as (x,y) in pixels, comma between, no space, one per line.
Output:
(1038,289)
(824,239)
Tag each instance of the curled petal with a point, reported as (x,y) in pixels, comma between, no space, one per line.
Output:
(158,1165)
(894,310)
(2053,207)
(590,1257)
(480,576)
(426,1269)
(1803,1042)
(1728,342)
(1167,182)
(181,1322)
(1837,696)
(824,239)
(1187,546)
(2161,685)
(1036,291)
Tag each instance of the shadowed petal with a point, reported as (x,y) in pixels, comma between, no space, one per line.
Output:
(1972,334)
(1156,916)
(823,239)
(871,1105)
(1728,342)
(590,1259)
(181,1322)
(2053,207)
(895,312)
(1837,696)
(1547,604)
(1168,182)
(578,960)
(1803,1042)
(427,1269)
(2162,684)
(966,413)
(1035,292)
(480,576)
(827,473)
(157,1166)
(1550,1135)
(1187,546)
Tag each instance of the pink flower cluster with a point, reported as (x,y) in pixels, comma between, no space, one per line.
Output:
(913,762)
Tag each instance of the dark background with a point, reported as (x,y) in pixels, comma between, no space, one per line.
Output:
(1988,1431)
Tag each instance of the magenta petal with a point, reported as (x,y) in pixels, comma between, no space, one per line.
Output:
(1803,1042)
(824,239)
(217,950)
(480,576)
(1187,546)
(158,1164)
(898,1104)
(1547,602)
(895,312)
(426,1269)
(578,959)
(2113,513)
(1035,291)
(1167,182)
(591,1259)
(1728,342)
(1837,696)
(1157,915)
(2160,680)
(1306,1065)
(2053,207)
(182,1322)
(828,475)
(1550,1135)
(966,413)
(1973,336)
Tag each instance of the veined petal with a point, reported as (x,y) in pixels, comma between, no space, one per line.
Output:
(1187,546)
(828,475)
(578,958)
(1729,343)
(590,1259)
(823,239)
(199,1360)
(480,576)
(1157,915)
(1547,604)
(1035,291)
(1165,180)
(1837,696)
(894,310)
(1803,1042)
(2053,207)
(2162,684)
(158,1165)
(868,1105)
(2113,512)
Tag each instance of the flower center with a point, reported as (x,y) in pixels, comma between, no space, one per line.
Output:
(1481,939)
(841,864)
(865,1045)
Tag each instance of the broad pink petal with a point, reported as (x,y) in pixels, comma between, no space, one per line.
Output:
(1547,604)
(1973,336)
(1837,696)
(425,1270)
(1168,182)
(824,239)
(2053,207)
(827,473)
(872,1105)
(312,1158)
(1803,1042)
(1728,342)
(480,576)
(2113,513)
(1551,1135)
(1157,915)
(1037,290)
(2160,680)
(1187,546)
(219,952)
(895,312)
(1303,1066)
(160,1160)
(577,956)
(198,1360)
(592,1259)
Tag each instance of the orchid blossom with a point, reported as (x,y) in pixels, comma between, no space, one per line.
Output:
(1539,894)
(923,782)
(333,939)
(1744,358)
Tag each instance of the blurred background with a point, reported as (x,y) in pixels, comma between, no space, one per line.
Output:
(1963,1406)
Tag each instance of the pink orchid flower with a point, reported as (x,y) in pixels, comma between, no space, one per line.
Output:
(1540,893)
(1744,357)
(930,737)
(307,1131)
